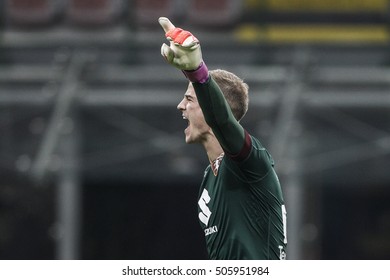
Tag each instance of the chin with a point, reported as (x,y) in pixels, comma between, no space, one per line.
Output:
(191,140)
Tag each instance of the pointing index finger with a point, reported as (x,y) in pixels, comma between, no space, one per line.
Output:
(166,24)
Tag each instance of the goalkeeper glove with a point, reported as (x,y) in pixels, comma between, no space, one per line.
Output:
(184,50)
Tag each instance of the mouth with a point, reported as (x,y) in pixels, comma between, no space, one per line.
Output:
(188,121)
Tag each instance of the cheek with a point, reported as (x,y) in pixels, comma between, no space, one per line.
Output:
(197,113)
(196,116)
(200,121)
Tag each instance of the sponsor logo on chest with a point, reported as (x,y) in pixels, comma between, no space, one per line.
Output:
(205,213)
(210,230)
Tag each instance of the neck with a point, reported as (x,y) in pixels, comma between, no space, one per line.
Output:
(213,148)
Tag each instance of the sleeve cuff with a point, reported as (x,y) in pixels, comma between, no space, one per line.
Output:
(245,150)
(200,75)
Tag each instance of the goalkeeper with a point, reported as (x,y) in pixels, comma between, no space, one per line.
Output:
(241,207)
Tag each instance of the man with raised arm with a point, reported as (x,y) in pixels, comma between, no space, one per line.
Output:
(241,207)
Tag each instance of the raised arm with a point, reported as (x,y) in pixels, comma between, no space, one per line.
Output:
(184,53)
(219,117)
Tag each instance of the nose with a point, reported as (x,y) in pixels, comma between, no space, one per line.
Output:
(181,105)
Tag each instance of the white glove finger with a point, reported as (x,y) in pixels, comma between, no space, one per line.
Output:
(167,53)
(166,24)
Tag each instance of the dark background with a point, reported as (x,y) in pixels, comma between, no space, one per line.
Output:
(93,163)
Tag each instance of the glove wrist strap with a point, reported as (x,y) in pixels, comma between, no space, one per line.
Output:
(200,75)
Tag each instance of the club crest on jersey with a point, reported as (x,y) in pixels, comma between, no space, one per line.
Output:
(216,163)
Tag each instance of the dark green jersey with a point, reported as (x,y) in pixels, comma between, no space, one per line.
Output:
(241,207)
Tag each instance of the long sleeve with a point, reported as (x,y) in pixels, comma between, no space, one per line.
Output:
(218,115)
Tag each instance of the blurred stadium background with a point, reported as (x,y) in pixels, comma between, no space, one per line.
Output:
(93,163)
